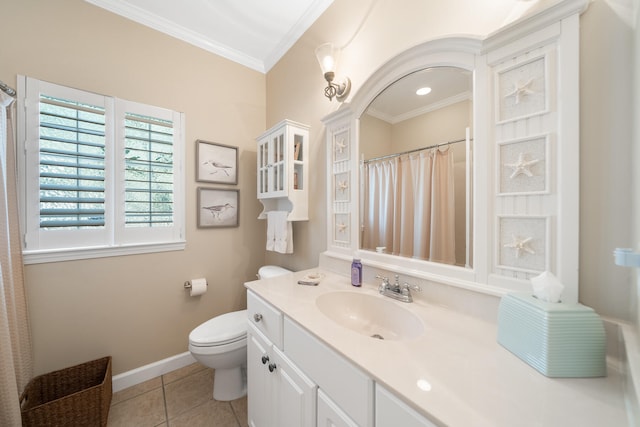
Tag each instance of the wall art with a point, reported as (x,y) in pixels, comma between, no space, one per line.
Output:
(216,163)
(522,90)
(341,146)
(218,208)
(522,243)
(524,166)
(341,227)
(341,187)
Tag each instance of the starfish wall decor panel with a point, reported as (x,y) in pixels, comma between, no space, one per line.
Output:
(523,166)
(522,90)
(341,230)
(341,147)
(522,243)
(341,187)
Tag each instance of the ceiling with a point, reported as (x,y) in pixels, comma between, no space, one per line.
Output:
(254,33)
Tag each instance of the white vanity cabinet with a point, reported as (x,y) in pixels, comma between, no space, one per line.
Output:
(307,384)
(279,393)
(282,170)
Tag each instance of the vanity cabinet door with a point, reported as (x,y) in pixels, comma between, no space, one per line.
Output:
(329,414)
(279,394)
(259,384)
(296,394)
(392,412)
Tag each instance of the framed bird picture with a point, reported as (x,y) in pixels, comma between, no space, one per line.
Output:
(217,163)
(218,208)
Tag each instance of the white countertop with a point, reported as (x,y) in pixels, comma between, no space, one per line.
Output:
(475,382)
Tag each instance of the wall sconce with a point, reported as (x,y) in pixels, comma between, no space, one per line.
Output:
(328,58)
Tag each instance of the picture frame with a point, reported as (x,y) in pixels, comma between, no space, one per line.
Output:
(218,208)
(216,163)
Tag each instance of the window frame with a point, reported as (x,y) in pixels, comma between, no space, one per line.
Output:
(114,239)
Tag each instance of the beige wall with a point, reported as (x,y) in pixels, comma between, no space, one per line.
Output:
(375,35)
(135,308)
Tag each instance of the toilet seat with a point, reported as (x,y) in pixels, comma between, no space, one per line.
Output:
(225,329)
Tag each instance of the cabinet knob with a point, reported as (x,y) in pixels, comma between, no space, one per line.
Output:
(257,317)
(272,367)
(265,359)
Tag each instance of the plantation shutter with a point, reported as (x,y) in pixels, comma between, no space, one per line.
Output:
(72,164)
(148,171)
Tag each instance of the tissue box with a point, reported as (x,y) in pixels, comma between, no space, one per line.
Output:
(558,340)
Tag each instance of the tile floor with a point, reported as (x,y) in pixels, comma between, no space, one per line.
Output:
(179,398)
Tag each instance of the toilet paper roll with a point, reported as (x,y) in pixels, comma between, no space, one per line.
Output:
(198,287)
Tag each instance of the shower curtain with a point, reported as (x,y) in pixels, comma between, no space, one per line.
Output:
(409,205)
(16,366)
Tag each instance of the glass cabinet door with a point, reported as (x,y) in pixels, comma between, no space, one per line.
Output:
(263,167)
(279,150)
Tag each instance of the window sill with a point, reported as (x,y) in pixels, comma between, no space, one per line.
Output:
(59,255)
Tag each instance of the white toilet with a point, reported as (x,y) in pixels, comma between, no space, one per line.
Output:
(221,343)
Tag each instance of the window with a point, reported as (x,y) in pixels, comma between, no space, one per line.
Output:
(100,176)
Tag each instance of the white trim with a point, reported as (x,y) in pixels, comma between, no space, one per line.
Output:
(150,371)
(57,255)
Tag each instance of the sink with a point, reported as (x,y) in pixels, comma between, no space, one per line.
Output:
(370,315)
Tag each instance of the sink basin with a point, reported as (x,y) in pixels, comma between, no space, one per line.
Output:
(370,315)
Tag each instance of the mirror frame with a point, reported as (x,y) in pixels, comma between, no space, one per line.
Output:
(551,35)
(459,52)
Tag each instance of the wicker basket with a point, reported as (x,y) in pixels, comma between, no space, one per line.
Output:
(76,396)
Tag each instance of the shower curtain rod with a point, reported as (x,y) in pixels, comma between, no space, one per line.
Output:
(388,156)
(6,89)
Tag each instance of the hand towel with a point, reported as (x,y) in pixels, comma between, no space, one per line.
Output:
(271,232)
(282,232)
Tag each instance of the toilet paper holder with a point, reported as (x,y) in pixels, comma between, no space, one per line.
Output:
(187,284)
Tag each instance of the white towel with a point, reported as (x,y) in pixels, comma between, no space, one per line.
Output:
(282,238)
(271,232)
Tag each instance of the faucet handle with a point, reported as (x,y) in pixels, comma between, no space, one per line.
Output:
(411,286)
(385,280)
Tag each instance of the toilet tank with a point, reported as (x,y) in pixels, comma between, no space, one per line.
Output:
(268,271)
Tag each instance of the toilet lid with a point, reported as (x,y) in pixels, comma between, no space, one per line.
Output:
(222,329)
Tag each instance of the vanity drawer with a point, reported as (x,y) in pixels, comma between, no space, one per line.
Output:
(265,318)
(343,382)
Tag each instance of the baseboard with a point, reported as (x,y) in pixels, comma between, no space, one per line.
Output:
(152,370)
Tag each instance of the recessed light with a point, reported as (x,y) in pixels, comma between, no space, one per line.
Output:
(423,91)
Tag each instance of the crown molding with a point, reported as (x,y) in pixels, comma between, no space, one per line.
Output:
(197,39)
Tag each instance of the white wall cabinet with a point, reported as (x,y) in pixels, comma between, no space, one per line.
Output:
(283,170)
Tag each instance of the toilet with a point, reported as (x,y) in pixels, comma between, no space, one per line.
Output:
(221,343)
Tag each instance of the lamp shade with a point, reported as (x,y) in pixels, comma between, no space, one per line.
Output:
(327,56)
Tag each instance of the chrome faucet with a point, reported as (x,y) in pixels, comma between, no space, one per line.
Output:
(397,291)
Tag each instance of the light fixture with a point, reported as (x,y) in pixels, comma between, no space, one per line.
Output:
(328,57)
(423,91)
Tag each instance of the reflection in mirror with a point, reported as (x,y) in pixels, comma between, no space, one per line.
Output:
(415,175)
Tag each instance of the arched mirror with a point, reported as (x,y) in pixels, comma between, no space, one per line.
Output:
(415,167)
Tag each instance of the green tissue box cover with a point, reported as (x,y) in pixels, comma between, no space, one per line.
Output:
(557,339)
